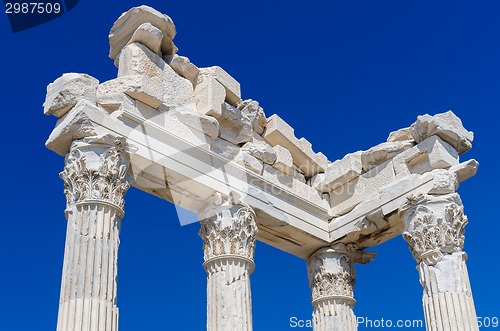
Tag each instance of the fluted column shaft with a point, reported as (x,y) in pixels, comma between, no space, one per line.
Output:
(331,278)
(228,245)
(95,182)
(434,231)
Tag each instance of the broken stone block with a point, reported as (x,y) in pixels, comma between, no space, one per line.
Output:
(138,87)
(445,125)
(400,135)
(465,170)
(205,124)
(149,36)
(235,126)
(178,91)
(183,66)
(255,113)
(250,162)
(66,91)
(80,122)
(278,132)
(445,182)
(137,59)
(210,96)
(233,92)
(432,153)
(342,171)
(284,160)
(263,152)
(126,25)
(383,152)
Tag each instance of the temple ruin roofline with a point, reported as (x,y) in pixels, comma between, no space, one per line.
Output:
(189,135)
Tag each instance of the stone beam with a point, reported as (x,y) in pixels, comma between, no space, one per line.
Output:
(176,163)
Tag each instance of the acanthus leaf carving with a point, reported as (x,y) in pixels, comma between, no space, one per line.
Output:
(331,274)
(108,182)
(236,236)
(433,228)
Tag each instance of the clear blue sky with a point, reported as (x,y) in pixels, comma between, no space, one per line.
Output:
(343,73)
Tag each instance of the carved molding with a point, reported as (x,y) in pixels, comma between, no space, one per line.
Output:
(231,232)
(105,181)
(434,225)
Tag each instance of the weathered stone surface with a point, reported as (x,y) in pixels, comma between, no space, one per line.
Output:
(228,244)
(278,132)
(317,182)
(465,170)
(445,182)
(284,160)
(344,198)
(77,124)
(138,87)
(95,175)
(137,59)
(149,36)
(383,152)
(202,123)
(126,25)
(224,148)
(342,171)
(183,66)
(178,91)
(331,277)
(255,113)
(294,185)
(210,96)
(299,175)
(445,125)
(400,135)
(66,91)
(235,126)
(263,152)
(434,228)
(113,102)
(432,153)
(250,162)
(233,92)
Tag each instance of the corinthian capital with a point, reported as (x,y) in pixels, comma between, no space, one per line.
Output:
(96,171)
(331,272)
(434,224)
(231,231)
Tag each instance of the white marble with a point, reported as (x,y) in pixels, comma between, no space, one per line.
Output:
(331,279)
(228,246)
(434,230)
(95,182)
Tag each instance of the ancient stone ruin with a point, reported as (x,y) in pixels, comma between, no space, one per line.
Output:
(184,134)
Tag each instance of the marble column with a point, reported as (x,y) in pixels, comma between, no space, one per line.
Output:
(331,278)
(434,231)
(228,246)
(95,182)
